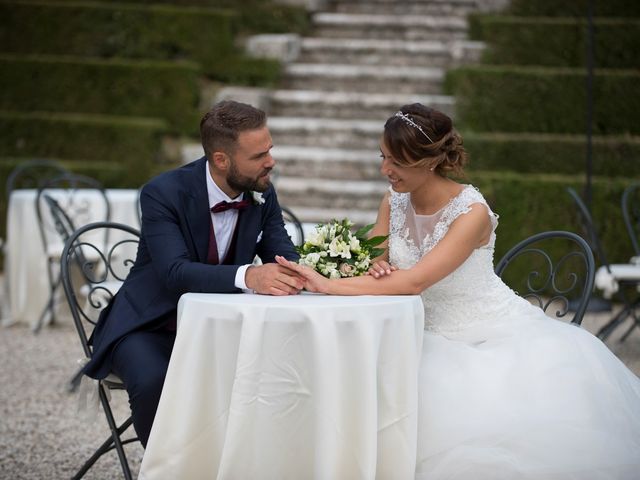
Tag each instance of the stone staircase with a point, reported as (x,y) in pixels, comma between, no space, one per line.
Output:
(363,61)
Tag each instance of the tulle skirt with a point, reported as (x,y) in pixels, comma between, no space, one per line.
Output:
(529,398)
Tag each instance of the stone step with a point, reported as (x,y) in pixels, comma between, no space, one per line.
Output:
(311,216)
(406,7)
(391,27)
(375,52)
(313,162)
(349,105)
(288,48)
(363,78)
(308,192)
(325,132)
(328,163)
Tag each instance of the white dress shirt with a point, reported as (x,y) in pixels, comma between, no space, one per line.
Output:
(224,224)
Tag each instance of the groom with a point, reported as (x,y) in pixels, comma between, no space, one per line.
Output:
(202,225)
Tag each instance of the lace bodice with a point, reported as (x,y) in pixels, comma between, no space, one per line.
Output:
(468,296)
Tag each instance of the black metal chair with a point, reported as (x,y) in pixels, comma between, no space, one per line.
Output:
(64,228)
(631,214)
(617,273)
(32,173)
(139,207)
(28,174)
(65,200)
(91,275)
(294,226)
(560,272)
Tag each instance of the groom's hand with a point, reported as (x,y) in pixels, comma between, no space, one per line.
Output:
(273,279)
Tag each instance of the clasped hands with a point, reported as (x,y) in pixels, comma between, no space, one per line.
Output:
(274,279)
(288,278)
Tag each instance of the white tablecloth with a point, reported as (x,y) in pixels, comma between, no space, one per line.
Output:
(300,387)
(608,279)
(25,259)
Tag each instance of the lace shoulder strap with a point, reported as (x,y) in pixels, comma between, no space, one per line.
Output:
(463,201)
(459,205)
(398,203)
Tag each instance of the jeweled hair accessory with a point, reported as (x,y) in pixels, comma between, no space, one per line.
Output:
(407,119)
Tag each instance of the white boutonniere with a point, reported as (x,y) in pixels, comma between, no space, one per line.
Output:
(257,197)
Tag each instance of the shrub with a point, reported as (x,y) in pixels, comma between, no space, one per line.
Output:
(613,156)
(577,8)
(545,100)
(113,87)
(556,41)
(123,140)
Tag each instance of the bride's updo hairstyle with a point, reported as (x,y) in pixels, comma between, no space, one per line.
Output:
(421,137)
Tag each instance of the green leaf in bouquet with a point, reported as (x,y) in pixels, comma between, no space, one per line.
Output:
(375,241)
(362,232)
(376,252)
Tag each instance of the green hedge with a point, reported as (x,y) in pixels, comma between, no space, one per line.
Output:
(112,87)
(529,204)
(251,16)
(576,8)
(545,100)
(131,141)
(556,41)
(130,31)
(256,16)
(243,70)
(155,32)
(546,153)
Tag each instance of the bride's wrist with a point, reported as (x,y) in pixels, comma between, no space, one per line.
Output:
(327,287)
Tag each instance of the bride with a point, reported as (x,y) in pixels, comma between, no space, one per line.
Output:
(505,391)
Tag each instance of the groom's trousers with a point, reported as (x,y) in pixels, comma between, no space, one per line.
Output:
(141,360)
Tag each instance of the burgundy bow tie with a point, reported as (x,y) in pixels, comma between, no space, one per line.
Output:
(224,206)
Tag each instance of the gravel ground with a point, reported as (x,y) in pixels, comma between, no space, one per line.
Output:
(42,433)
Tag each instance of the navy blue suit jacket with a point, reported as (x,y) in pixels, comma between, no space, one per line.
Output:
(172,255)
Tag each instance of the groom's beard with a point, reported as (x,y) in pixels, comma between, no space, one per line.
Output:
(242,183)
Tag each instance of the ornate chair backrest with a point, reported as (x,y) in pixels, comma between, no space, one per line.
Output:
(83,199)
(551,269)
(32,173)
(589,228)
(92,273)
(631,214)
(61,221)
(293,226)
(139,207)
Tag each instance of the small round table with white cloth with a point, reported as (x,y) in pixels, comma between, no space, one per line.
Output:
(299,387)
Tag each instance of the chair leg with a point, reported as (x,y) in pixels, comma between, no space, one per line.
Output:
(97,454)
(608,329)
(628,309)
(47,312)
(113,441)
(116,432)
(50,307)
(636,323)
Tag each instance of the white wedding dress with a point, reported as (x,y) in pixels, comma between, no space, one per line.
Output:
(505,391)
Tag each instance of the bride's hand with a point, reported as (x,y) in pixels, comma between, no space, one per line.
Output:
(381,268)
(313,281)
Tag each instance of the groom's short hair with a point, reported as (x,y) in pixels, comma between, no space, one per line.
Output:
(220,126)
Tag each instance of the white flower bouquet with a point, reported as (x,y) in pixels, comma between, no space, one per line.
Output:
(335,252)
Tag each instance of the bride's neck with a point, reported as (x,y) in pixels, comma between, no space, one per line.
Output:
(434,194)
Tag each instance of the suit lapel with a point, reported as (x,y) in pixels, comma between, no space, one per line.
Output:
(197,214)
